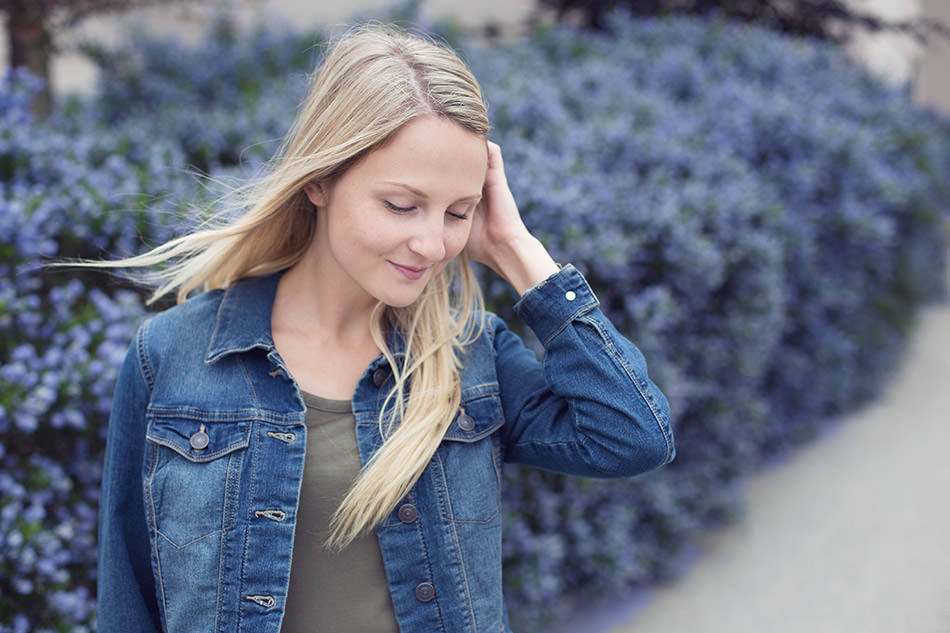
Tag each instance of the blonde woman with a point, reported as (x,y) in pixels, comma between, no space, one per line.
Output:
(314,441)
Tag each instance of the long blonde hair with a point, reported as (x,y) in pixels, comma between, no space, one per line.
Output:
(373,81)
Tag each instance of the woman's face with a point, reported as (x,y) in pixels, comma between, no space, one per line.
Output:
(396,218)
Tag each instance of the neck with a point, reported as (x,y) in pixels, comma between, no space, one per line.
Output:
(312,299)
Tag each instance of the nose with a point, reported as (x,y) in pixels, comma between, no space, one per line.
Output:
(428,240)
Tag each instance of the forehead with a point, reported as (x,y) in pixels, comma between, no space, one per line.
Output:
(433,154)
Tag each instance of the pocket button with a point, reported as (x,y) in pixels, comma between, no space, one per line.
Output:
(199,439)
(466,423)
(408,513)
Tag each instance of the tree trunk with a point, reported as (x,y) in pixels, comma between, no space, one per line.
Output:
(31,47)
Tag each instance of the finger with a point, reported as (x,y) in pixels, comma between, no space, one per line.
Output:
(496,166)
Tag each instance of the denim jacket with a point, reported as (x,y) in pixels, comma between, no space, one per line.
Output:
(205,458)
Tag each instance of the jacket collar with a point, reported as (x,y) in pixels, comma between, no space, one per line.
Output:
(243,320)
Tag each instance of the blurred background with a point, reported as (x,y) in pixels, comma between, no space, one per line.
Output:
(759,193)
(898,56)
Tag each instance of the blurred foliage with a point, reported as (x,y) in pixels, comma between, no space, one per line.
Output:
(834,20)
(32,30)
(755,212)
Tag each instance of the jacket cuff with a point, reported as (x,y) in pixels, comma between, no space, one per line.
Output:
(551,305)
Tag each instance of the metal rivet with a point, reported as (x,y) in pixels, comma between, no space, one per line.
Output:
(199,439)
(425,592)
(408,513)
(570,295)
(380,376)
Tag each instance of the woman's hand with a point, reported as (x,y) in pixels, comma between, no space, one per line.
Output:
(499,238)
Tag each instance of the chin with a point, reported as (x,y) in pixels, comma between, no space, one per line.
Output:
(402,300)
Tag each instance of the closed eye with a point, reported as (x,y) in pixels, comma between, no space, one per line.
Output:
(395,208)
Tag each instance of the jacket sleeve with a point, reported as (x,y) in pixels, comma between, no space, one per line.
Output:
(126,599)
(588,408)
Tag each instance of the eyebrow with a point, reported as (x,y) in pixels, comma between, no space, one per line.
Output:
(422,194)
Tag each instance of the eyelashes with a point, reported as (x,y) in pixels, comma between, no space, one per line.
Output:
(398,209)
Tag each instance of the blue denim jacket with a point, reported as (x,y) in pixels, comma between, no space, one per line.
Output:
(205,458)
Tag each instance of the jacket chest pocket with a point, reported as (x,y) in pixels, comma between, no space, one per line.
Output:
(468,474)
(193,476)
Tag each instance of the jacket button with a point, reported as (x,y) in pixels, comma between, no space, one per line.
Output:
(407,513)
(199,439)
(425,592)
(380,376)
(466,423)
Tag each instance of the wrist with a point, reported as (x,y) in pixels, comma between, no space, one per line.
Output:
(524,262)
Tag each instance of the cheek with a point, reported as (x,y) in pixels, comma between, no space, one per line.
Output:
(456,237)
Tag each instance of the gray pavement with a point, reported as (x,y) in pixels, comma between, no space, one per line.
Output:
(849,535)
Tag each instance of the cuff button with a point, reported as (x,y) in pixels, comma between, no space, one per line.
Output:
(570,295)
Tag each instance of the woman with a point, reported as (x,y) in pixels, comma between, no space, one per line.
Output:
(314,442)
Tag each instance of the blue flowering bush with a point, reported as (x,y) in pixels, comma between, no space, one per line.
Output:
(758,214)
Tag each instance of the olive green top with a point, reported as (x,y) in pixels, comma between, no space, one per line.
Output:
(345,592)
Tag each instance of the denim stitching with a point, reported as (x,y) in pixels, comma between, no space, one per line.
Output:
(217,324)
(265,601)
(158,562)
(425,551)
(257,400)
(448,498)
(142,350)
(468,591)
(191,542)
(247,529)
(287,438)
(632,375)
(205,457)
(222,548)
(200,415)
(273,515)
(580,311)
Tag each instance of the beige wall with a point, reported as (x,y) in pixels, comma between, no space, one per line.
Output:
(932,80)
(895,57)
(71,72)
(902,58)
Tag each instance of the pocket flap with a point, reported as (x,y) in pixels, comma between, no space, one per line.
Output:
(485,417)
(197,440)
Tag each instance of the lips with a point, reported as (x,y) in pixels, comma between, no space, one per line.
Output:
(410,272)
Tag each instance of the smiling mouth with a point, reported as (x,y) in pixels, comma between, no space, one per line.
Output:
(410,272)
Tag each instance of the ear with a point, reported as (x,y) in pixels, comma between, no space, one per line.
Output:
(316,193)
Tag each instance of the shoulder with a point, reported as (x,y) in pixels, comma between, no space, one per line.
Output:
(494,342)
(184,329)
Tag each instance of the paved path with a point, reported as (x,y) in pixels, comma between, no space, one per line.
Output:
(850,535)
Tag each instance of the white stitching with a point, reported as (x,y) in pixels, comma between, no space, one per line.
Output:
(283,437)
(273,515)
(264,601)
